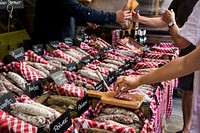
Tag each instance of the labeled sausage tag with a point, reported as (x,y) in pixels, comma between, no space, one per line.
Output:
(62,123)
(86,59)
(121,70)
(34,89)
(111,78)
(17,4)
(18,54)
(58,77)
(38,49)
(69,41)
(127,64)
(103,51)
(82,105)
(54,45)
(6,100)
(100,86)
(72,67)
(98,56)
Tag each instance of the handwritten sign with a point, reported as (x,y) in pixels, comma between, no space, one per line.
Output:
(111,78)
(18,54)
(100,86)
(121,70)
(86,59)
(6,100)
(34,89)
(38,49)
(69,41)
(62,123)
(17,4)
(58,77)
(54,45)
(72,67)
(82,105)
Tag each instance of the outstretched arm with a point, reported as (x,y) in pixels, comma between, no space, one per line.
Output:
(176,68)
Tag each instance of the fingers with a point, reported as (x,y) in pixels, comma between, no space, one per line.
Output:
(118,82)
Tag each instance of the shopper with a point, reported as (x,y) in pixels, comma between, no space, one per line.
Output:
(55,20)
(182,9)
(187,64)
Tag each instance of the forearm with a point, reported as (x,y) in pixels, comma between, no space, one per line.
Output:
(156,22)
(180,42)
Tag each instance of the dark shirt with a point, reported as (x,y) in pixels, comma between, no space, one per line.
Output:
(55,19)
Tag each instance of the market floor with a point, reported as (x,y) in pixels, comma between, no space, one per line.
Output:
(175,122)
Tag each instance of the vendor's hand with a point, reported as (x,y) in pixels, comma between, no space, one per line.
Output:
(122,16)
(169,16)
(135,16)
(92,25)
(125,83)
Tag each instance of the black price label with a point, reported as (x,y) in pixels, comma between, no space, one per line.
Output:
(18,54)
(111,78)
(16,4)
(82,105)
(69,41)
(103,50)
(121,70)
(54,45)
(58,77)
(34,89)
(86,59)
(100,86)
(97,56)
(62,123)
(77,40)
(6,100)
(38,49)
(72,67)
(127,64)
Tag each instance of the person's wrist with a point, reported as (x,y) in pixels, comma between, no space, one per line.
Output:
(171,24)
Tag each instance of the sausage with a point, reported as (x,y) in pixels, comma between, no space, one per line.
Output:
(32,110)
(113,62)
(39,67)
(55,63)
(60,109)
(38,121)
(41,99)
(82,51)
(54,112)
(21,82)
(118,118)
(125,96)
(37,71)
(65,97)
(83,84)
(72,55)
(89,74)
(115,110)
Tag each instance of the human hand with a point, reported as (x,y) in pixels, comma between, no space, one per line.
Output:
(135,16)
(122,16)
(92,25)
(125,83)
(168,16)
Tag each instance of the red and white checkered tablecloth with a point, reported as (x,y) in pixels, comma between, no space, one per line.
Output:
(144,65)
(92,51)
(63,46)
(114,57)
(31,56)
(164,44)
(163,49)
(94,67)
(159,61)
(60,54)
(106,43)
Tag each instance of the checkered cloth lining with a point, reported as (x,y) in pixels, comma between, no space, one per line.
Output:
(10,124)
(106,43)
(94,67)
(63,46)
(115,36)
(115,57)
(164,49)
(31,56)
(159,61)
(60,54)
(72,76)
(163,44)
(124,57)
(144,65)
(65,90)
(92,51)
(90,114)
(22,69)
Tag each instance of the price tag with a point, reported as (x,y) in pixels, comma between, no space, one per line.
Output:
(6,100)
(77,40)
(18,54)
(82,105)
(121,70)
(103,50)
(54,45)
(69,41)
(17,4)
(62,123)
(72,67)
(111,78)
(86,59)
(100,86)
(58,77)
(127,64)
(38,49)
(98,56)
(34,89)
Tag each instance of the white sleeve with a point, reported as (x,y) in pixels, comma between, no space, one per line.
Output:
(191,29)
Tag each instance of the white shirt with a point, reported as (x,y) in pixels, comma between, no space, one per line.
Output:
(191,32)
